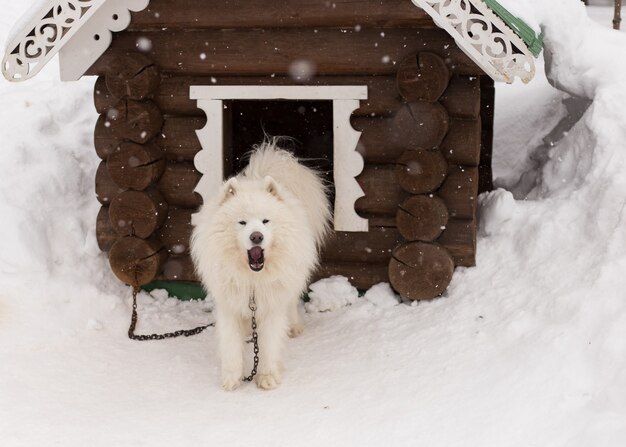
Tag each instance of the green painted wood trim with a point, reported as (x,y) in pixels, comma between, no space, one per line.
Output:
(525,32)
(179,289)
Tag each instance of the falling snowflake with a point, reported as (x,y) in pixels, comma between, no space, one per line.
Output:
(302,70)
(144,44)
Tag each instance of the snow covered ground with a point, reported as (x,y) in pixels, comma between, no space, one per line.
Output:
(527,348)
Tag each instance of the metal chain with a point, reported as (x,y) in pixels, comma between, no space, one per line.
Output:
(133,324)
(255,339)
(194,331)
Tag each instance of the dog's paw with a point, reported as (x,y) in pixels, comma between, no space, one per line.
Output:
(267,381)
(295,330)
(231,382)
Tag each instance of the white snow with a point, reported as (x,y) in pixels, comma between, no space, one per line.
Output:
(331,294)
(382,295)
(523,9)
(528,348)
(496,209)
(23,14)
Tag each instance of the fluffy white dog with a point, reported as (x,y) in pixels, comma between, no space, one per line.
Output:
(260,235)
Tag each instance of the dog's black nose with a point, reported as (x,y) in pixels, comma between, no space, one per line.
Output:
(256,237)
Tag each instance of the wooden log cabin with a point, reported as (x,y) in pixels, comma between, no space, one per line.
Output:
(393,100)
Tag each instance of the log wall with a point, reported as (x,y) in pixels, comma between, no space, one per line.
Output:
(426,133)
(188,14)
(434,186)
(261,52)
(133,165)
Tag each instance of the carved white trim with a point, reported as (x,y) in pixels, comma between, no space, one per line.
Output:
(56,24)
(210,160)
(348,163)
(484,37)
(83,50)
(300,92)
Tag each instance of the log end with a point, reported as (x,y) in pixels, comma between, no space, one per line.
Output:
(106,189)
(420,271)
(134,120)
(136,261)
(422,77)
(422,218)
(105,235)
(138,213)
(132,75)
(420,171)
(134,166)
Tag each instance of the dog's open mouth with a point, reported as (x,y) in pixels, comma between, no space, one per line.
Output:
(256,259)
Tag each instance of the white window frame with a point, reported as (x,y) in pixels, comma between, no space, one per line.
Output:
(347,162)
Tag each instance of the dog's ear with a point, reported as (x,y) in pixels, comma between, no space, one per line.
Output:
(229,189)
(272,187)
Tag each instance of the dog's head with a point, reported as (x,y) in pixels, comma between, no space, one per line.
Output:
(252,208)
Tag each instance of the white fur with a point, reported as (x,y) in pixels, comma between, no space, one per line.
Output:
(274,187)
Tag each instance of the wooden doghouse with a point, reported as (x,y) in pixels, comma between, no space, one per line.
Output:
(393,99)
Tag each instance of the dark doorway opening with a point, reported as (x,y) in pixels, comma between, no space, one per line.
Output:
(309,124)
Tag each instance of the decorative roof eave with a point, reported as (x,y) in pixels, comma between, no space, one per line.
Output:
(59,25)
(484,37)
(533,41)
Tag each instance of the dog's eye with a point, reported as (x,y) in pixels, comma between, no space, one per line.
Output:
(242,222)
(266,221)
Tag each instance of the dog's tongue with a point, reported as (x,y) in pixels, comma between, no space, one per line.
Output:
(256,254)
